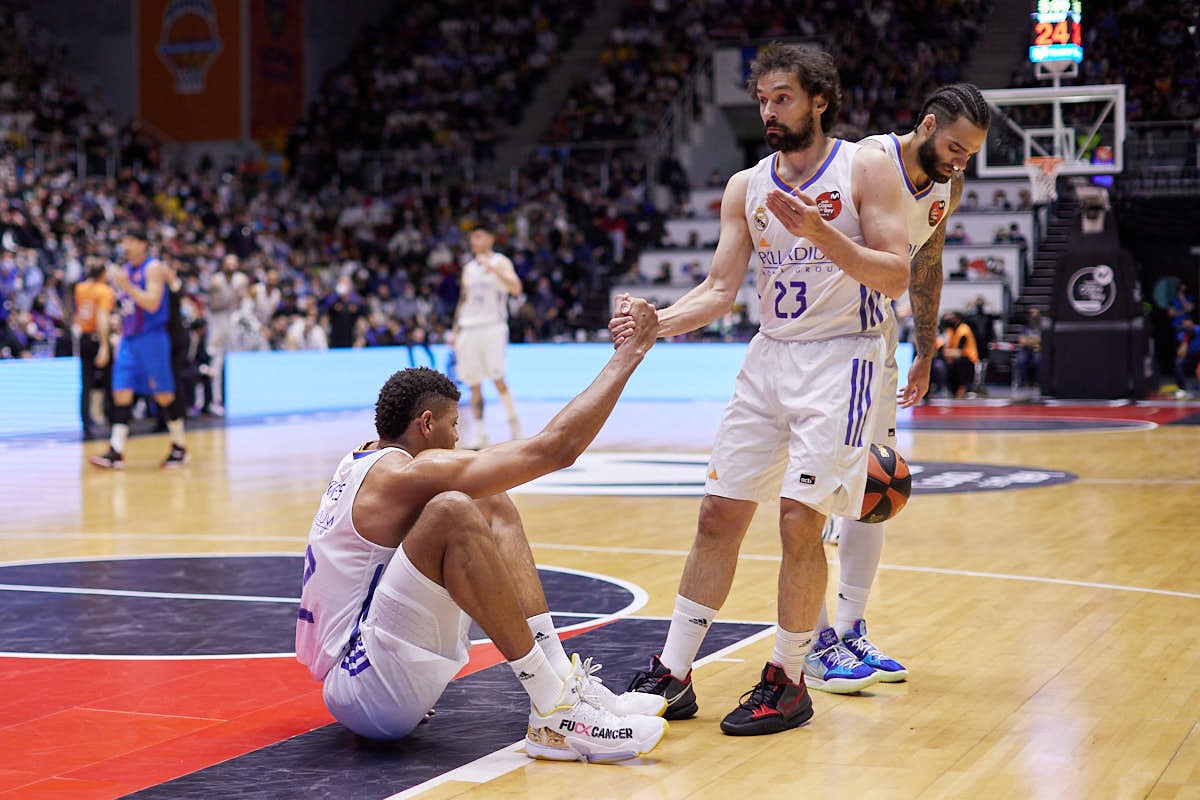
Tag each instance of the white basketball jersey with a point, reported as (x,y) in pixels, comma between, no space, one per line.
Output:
(924,209)
(341,569)
(486,300)
(802,294)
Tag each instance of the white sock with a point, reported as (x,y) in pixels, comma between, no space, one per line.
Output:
(689,624)
(507,400)
(539,680)
(859,552)
(542,628)
(175,428)
(851,607)
(790,650)
(119,436)
(823,618)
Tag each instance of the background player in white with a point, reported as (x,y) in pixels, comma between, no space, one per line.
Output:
(930,160)
(481,327)
(413,536)
(820,220)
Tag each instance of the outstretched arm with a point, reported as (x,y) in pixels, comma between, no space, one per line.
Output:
(503,466)
(717,293)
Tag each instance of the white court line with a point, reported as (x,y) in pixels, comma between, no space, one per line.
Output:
(493,765)
(239,598)
(931,570)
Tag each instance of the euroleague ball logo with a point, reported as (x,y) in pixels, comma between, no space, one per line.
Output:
(189,43)
(1091,290)
(829,204)
(936,212)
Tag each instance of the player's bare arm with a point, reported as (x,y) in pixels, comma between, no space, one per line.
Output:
(882,261)
(925,294)
(397,488)
(502,268)
(103,328)
(149,298)
(717,293)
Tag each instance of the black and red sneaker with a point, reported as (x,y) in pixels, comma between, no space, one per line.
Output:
(681,698)
(775,704)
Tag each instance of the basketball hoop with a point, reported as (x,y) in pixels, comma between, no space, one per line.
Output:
(1043,178)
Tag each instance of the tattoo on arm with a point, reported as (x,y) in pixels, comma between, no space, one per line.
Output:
(925,292)
(925,288)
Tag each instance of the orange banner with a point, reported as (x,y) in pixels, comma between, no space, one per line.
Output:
(189,68)
(276,67)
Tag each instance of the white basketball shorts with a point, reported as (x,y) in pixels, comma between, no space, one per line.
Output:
(800,411)
(883,418)
(410,646)
(480,350)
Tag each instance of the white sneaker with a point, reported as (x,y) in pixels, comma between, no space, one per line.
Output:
(623,705)
(579,729)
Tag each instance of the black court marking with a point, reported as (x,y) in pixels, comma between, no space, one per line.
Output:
(478,715)
(942,477)
(210,605)
(1190,419)
(645,474)
(1019,424)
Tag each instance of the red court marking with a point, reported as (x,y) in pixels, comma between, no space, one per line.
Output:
(1158,414)
(98,729)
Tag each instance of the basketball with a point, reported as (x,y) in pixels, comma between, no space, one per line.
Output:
(889,483)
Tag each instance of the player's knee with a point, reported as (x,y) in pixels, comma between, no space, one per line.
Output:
(122,414)
(453,509)
(724,521)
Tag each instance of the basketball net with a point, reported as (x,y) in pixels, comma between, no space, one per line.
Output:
(1043,178)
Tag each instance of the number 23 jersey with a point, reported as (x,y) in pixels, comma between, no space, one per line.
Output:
(803,296)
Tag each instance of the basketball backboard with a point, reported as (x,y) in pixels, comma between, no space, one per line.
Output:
(1084,125)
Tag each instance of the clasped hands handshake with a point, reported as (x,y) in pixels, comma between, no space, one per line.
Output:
(634,323)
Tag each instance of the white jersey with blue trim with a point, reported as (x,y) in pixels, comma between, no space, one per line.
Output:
(802,294)
(925,208)
(341,569)
(486,301)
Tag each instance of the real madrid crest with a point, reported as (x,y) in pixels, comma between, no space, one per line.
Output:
(760,219)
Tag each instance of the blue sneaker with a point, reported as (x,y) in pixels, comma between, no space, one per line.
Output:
(831,667)
(889,669)
(831,533)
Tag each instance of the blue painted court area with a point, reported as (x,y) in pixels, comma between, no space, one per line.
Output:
(478,715)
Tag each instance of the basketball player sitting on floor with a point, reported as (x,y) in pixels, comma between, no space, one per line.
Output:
(415,538)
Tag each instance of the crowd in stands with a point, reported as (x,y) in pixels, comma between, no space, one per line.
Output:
(357,238)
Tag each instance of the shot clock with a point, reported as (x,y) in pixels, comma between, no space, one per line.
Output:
(1056,34)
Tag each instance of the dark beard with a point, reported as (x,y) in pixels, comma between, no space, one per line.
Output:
(927,158)
(789,141)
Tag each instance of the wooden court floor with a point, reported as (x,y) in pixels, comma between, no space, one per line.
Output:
(1045,595)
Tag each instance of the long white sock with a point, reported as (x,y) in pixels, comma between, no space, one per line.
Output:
(175,428)
(514,424)
(539,680)
(859,552)
(542,628)
(689,624)
(790,650)
(119,436)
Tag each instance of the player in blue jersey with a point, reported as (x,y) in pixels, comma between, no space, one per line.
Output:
(143,358)
(820,223)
